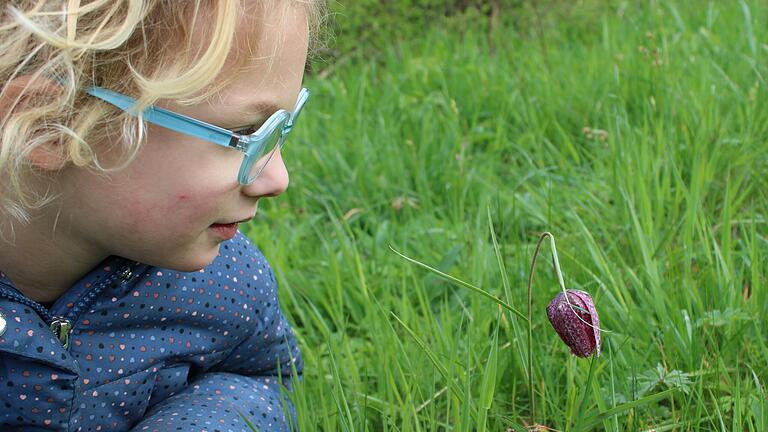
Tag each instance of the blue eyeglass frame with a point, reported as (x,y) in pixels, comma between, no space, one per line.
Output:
(212,133)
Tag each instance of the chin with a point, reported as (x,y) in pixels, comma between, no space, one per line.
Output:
(188,263)
(188,268)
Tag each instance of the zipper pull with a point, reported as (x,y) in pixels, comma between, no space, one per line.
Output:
(125,274)
(61,327)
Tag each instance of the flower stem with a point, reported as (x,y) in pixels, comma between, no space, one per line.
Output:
(556,264)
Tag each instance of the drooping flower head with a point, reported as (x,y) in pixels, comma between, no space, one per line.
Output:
(581,335)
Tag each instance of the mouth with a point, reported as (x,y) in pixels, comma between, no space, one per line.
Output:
(224,231)
(248,219)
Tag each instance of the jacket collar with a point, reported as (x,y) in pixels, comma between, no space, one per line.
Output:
(27,323)
(27,335)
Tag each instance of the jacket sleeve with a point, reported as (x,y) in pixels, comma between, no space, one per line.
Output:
(253,378)
(252,383)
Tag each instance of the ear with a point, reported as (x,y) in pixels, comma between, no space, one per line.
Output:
(15,95)
(47,157)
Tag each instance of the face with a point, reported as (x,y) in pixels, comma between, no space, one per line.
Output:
(161,208)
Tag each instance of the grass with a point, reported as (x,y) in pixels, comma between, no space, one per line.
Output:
(636,133)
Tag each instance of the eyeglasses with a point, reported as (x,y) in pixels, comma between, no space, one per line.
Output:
(259,147)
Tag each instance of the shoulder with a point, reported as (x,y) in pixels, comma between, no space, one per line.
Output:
(239,281)
(239,258)
(239,252)
(242,267)
(228,296)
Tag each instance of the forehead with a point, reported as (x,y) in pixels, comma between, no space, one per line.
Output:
(269,53)
(264,67)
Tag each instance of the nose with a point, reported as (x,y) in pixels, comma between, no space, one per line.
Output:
(272,181)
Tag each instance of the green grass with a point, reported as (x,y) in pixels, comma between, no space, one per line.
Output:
(637,134)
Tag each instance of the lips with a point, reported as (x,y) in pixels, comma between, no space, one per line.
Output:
(248,219)
(225,231)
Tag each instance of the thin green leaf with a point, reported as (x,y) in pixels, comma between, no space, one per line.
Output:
(464,284)
(433,358)
(595,420)
(488,386)
(248,422)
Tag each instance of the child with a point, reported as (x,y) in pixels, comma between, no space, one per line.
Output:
(136,135)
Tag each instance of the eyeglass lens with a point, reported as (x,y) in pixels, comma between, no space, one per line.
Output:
(259,154)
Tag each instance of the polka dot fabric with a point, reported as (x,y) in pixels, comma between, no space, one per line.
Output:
(152,350)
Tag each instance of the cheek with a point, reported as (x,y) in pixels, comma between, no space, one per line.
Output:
(190,208)
(174,212)
(164,190)
(173,186)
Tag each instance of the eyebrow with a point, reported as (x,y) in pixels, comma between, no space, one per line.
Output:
(261,107)
(260,110)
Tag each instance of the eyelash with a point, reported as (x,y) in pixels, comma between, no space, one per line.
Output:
(246,131)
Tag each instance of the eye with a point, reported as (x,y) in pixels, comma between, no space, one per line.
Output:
(247,131)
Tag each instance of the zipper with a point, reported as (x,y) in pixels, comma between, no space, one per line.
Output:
(61,326)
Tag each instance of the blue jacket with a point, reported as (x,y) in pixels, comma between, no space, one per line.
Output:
(138,348)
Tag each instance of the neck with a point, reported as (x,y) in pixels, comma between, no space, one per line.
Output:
(41,258)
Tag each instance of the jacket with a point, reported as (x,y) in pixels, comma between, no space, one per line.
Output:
(132,347)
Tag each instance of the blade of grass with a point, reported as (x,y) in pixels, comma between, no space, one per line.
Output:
(587,388)
(506,285)
(488,385)
(433,358)
(594,420)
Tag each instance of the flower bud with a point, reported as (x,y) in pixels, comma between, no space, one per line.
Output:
(582,337)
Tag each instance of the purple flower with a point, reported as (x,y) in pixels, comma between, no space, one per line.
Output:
(580,337)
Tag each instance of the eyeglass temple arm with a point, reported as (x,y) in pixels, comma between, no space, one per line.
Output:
(168,119)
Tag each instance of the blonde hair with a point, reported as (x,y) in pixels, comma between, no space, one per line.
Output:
(149,49)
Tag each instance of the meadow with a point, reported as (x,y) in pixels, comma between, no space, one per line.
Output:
(635,132)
